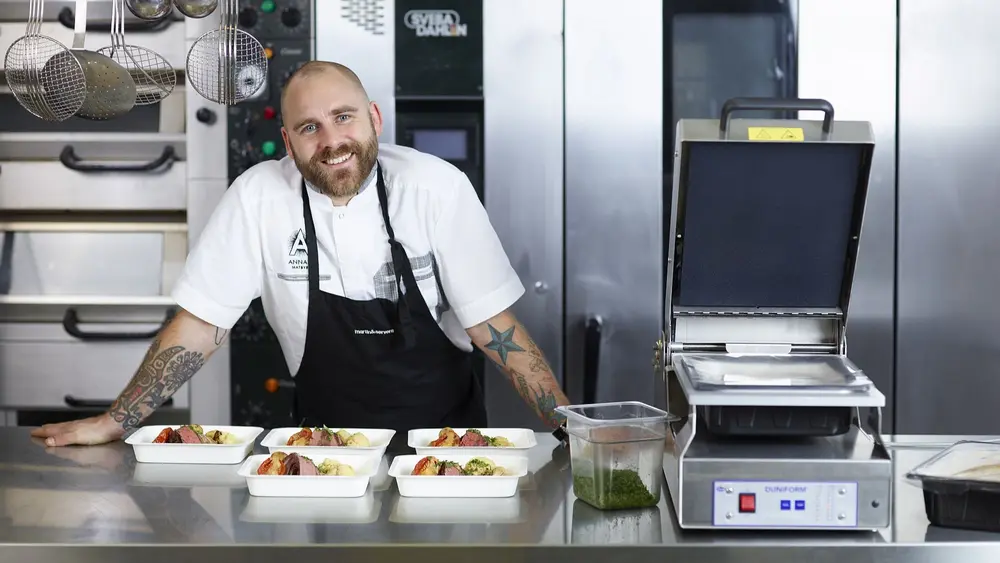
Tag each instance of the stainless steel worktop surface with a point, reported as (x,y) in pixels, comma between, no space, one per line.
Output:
(95,503)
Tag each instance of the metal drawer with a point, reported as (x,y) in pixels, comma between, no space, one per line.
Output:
(42,365)
(92,172)
(79,262)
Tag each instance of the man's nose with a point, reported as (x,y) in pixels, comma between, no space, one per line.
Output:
(331,139)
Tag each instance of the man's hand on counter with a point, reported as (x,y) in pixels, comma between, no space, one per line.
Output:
(91,431)
(177,353)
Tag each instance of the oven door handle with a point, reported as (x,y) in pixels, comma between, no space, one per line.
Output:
(71,324)
(75,403)
(68,19)
(165,161)
(591,357)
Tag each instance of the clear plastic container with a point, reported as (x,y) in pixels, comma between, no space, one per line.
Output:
(616,452)
(962,486)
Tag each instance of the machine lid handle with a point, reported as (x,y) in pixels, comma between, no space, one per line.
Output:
(776,104)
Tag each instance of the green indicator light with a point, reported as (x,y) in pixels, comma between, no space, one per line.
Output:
(268,148)
(267,6)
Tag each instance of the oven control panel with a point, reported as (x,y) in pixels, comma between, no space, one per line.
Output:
(783,504)
(261,389)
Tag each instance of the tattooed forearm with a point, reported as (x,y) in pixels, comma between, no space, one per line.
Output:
(220,336)
(502,343)
(542,400)
(162,372)
(511,348)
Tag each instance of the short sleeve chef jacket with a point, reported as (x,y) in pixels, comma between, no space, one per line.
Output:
(254,246)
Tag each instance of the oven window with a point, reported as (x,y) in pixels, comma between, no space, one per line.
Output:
(16,119)
(715,50)
(721,56)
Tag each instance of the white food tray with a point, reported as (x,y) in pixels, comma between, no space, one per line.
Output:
(423,510)
(310,486)
(218,454)
(522,438)
(358,510)
(458,486)
(378,438)
(188,475)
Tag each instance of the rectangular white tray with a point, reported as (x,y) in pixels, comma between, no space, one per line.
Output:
(523,439)
(378,438)
(220,454)
(459,486)
(364,509)
(310,486)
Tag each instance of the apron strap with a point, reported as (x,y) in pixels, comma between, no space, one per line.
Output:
(310,240)
(400,266)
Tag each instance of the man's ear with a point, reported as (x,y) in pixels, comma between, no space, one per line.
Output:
(376,115)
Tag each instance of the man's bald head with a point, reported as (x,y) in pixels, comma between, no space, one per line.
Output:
(330,128)
(314,68)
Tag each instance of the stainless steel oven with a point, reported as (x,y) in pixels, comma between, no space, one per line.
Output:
(93,234)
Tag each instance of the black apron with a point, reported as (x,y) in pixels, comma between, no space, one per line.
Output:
(379,364)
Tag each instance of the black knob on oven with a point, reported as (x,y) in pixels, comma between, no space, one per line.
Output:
(205,115)
(248,17)
(291,17)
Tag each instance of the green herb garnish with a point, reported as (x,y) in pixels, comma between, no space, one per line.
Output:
(613,489)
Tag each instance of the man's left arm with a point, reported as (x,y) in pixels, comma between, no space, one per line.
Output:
(507,343)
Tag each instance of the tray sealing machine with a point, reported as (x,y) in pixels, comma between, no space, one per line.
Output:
(765,226)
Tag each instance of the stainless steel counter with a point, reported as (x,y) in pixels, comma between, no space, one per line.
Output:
(96,504)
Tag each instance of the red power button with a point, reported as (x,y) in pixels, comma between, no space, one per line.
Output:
(748,502)
(269,112)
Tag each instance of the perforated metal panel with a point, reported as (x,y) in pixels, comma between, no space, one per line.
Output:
(368,15)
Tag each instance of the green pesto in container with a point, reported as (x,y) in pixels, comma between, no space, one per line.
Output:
(613,489)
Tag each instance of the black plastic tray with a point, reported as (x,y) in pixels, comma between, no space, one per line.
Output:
(763,421)
(954,501)
(962,504)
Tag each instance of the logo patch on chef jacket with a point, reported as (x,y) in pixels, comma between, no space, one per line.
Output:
(424,268)
(298,251)
(297,244)
(298,259)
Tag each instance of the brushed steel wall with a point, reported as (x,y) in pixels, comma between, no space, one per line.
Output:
(614,192)
(948,353)
(858,76)
(523,155)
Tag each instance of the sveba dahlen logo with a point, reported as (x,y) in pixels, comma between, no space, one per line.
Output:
(435,23)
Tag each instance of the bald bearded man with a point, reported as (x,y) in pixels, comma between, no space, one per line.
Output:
(378,270)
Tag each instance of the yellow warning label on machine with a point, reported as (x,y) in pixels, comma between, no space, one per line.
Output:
(776,134)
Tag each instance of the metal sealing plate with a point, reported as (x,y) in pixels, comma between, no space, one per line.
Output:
(759,371)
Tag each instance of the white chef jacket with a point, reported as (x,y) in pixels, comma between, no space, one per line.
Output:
(254,246)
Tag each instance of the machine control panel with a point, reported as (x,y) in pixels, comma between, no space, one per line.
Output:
(783,504)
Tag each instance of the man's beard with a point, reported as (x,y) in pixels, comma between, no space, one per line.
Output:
(344,182)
